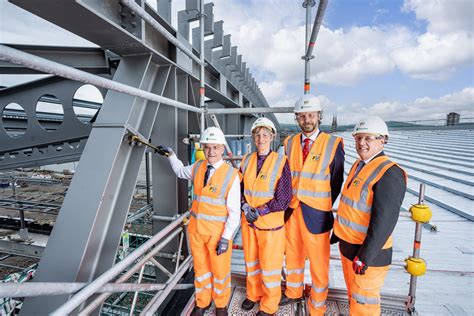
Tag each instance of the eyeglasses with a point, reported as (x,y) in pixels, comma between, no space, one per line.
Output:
(366,139)
(263,135)
(302,117)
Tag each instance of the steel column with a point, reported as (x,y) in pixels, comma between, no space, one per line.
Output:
(94,211)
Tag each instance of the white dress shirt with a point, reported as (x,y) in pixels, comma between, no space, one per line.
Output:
(312,137)
(368,160)
(233,197)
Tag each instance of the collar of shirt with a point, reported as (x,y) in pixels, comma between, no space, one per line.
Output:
(368,160)
(262,157)
(217,164)
(312,137)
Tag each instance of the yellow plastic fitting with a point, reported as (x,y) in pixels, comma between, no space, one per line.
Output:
(420,213)
(199,154)
(416,267)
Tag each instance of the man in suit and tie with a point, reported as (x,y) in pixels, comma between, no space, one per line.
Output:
(368,212)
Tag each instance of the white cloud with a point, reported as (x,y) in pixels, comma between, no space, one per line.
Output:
(425,108)
(443,16)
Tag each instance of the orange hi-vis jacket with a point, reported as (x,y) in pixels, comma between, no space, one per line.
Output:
(209,208)
(311,181)
(260,188)
(353,214)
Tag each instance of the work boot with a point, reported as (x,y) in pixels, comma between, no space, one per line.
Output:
(199,311)
(285,300)
(247,304)
(262,313)
(221,311)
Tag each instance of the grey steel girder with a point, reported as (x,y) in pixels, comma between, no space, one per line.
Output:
(38,146)
(88,229)
(90,59)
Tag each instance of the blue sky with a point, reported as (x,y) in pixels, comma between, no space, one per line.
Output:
(400,59)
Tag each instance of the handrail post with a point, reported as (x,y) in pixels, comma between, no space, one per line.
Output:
(416,254)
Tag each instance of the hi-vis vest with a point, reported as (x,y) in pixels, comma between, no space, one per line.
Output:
(311,181)
(260,189)
(209,209)
(353,214)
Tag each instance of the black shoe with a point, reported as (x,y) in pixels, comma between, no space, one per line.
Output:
(285,300)
(199,311)
(260,313)
(221,311)
(247,304)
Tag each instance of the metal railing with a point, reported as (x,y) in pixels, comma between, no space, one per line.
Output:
(114,279)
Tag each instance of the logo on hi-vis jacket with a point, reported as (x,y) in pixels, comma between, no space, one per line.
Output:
(316,157)
(213,188)
(356,182)
(263,176)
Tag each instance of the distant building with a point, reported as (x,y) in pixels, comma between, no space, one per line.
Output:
(452,119)
(334,123)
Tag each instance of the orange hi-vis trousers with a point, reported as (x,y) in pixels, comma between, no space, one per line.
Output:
(211,272)
(299,244)
(263,252)
(363,290)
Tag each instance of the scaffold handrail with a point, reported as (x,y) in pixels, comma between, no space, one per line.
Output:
(31,289)
(114,271)
(41,64)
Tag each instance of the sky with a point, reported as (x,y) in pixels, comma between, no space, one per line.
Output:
(403,60)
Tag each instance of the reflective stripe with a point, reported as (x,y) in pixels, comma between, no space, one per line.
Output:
(254,273)
(295,271)
(361,206)
(270,285)
(218,291)
(370,178)
(258,194)
(274,173)
(317,304)
(318,289)
(314,176)
(251,264)
(209,218)
(204,277)
(288,145)
(352,225)
(271,272)
(245,163)
(226,182)
(206,199)
(207,286)
(327,154)
(314,194)
(294,284)
(196,167)
(222,281)
(364,299)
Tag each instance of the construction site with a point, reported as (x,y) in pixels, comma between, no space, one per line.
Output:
(93,221)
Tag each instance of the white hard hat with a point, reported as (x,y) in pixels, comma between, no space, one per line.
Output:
(371,125)
(307,103)
(213,135)
(263,121)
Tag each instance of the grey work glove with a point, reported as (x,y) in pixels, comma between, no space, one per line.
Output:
(164,150)
(222,246)
(252,215)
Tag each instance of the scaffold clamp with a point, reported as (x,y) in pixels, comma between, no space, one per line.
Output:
(420,213)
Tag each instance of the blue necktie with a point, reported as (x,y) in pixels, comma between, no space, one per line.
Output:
(359,167)
(206,175)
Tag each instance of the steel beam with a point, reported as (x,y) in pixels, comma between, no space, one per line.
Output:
(95,208)
(89,59)
(252,110)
